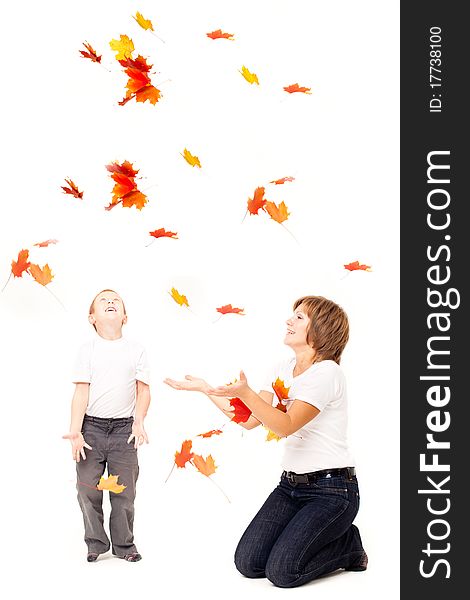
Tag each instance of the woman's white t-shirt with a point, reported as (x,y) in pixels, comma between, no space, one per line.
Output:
(322,443)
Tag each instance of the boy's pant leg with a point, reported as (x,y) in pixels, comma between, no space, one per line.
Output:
(89,472)
(122,461)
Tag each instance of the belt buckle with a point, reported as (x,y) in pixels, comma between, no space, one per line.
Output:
(291,477)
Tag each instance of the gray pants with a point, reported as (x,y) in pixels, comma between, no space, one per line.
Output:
(108,439)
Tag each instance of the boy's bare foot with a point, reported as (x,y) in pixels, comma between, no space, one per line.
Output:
(91,556)
(134,557)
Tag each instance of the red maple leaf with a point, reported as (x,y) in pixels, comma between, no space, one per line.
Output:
(138,84)
(355,266)
(219,34)
(210,433)
(90,53)
(225,310)
(158,233)
(181,458)
(257,202)
(241,413)
(72,189)
(125,187)
(291,89)
(282,180)
(21,265)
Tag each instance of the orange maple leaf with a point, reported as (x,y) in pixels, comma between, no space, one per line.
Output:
(277,213)
(125,187)
(46,243)
(41,275)
(210,433)
(257,202)
(355,266)
(158,233)
(90,53)
(138,84)
(219,34)
(225,310)
(282,392)
(282,180)
(125,168)
(181,458)
(111,484)
(205,466)
(134,198)
(291,89)
(72,189)
(179,298)
(21,265)
(190,159)
(241,413)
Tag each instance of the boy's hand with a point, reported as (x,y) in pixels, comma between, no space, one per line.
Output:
(78,444)
(138,434)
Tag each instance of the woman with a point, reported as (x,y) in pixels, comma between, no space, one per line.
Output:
(304,529)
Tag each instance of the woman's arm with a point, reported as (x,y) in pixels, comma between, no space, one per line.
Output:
(283,424)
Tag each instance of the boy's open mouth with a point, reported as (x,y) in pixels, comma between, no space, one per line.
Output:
(110,308)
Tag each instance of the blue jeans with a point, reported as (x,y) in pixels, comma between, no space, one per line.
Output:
(108,439)
(302,531)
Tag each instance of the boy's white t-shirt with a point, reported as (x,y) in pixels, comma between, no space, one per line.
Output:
(322,443)
(112,368)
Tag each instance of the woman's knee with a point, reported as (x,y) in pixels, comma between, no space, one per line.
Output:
(248,563)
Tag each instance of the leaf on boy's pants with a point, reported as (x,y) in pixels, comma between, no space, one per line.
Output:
(179,298)
(41,275)
(228,309)
(205,466)
(355,266)
(111,484)
(241,413)
(278,213)
(181,458)
(210,433)
(257,202)
(21,265)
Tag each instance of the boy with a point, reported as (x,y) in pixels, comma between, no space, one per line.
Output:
(110,402)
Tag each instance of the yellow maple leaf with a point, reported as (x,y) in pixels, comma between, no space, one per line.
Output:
(272,436)
(42,276)
(111,484)
(124,47)
(250,77)
(190,159)
(179,298)
(144,23)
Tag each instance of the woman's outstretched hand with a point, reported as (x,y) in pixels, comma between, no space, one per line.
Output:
(237,389)
(190,383)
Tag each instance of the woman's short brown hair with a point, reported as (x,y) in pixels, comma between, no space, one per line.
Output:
(328,330)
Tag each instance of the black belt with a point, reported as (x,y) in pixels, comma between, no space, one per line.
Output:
(350,472)
(90,419)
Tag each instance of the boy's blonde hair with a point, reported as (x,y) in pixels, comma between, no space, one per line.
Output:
(328,330)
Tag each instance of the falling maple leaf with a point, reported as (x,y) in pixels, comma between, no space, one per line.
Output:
(219,34)
(228,309)
(138,84)
(281,391)
(21,265)
(257,202)
(72,189)
(41,275)
(291,89)
(185,455)
(250,77)
(355,266)
(144,23)
(46,243)
(124,47)
(111,484)
(210,433)
(282,180)
(90,53)
(179,298)
(125,187)
(277,213)
(272,436)
(190,159)
(205,466)
(158,233)
(241,413)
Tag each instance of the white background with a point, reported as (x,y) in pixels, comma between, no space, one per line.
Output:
(61,119)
